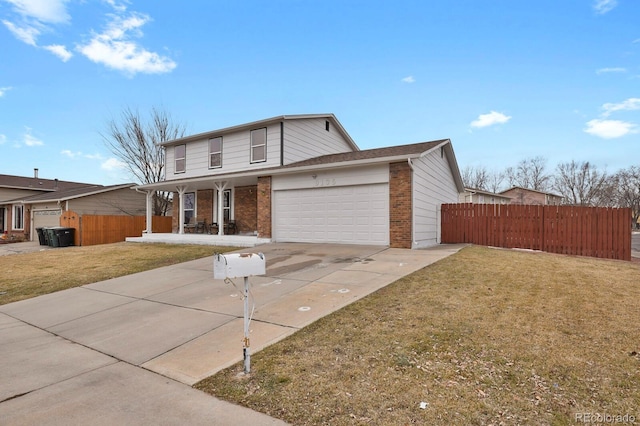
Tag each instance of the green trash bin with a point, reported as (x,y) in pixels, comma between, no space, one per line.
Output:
(53,236)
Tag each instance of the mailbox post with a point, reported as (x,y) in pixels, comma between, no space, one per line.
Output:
(236,265)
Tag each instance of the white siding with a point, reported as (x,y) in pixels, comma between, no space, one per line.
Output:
(433,185)
(335,177)
(309,138)
(235,154)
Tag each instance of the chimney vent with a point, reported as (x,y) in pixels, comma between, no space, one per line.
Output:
(35,173)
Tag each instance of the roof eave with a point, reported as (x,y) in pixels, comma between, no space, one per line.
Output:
(259,123)
(281,171)
(75,196)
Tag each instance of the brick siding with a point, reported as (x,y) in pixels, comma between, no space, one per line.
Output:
(264,207)
(400,205)
(246,208)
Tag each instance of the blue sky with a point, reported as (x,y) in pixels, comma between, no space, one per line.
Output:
(505,80)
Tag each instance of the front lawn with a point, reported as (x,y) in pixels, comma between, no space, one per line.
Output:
(486,336)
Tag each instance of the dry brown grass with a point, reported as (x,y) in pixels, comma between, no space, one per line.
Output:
(485,336)
(32,274)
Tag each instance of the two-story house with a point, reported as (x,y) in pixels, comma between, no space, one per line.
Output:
(301,178)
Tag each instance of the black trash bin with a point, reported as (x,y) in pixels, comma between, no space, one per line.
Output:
(52,236)
(41,238)
(65,236)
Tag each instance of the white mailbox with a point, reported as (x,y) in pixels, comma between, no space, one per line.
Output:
(237,265)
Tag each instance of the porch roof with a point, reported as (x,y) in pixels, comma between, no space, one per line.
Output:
(330,161)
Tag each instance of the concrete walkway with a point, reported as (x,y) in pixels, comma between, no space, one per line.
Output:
(127,350)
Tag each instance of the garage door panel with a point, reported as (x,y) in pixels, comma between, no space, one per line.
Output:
(356,215)
(46,218)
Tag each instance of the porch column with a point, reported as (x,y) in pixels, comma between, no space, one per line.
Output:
(149,229)
(181,190)
(220,186)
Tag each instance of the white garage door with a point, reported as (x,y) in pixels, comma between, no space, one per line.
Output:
(351,215)
(42,218)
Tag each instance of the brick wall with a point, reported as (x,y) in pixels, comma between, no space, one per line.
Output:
(204,205)
(246,208)
(400,205)
(264,207)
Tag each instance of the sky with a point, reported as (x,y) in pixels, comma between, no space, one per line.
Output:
(505,80)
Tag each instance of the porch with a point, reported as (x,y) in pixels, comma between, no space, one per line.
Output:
(202,239)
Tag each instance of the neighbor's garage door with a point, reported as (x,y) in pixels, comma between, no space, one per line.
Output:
(356,214)
(44,218)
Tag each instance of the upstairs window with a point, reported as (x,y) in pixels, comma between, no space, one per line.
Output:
(259,145)
(180,154)
(215,153)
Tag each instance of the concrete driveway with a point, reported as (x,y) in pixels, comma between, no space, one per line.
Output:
(127,350)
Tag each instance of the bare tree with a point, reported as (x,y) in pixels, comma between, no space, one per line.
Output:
(530,173)
(136,141)
(628,190)
(494,181)
(475,177)
(581,184)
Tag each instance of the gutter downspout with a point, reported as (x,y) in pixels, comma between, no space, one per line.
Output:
(413,212)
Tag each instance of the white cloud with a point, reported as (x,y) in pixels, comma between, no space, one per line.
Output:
(27,34)
(630,104)
(30,140)
(610,129)
(3,139)
(51,11)
(610,70)
(409,79)
(60,51)
(80,154)
(119,7)
(70,154)
(4,90)
(114,48)
(113,164)
(93,156)
(35,14)
(485,120)
(603,6)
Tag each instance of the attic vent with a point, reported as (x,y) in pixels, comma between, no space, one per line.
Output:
(326,125)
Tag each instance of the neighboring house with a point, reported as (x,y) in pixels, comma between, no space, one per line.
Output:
(301,178)
(478,196)
(521,195)
(30,203)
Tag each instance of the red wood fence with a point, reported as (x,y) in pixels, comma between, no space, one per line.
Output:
(92,229)
(583,231)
